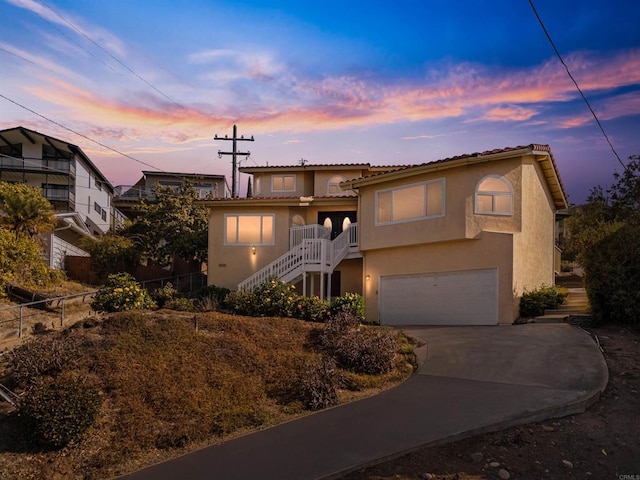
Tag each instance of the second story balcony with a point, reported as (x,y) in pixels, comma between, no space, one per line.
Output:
(38,165)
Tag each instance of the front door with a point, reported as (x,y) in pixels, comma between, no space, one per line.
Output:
(336,221)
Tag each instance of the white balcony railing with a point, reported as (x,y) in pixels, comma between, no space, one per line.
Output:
(303,232)
(310,255)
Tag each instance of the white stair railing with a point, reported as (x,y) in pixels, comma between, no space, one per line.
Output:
(310,255)
(303,232)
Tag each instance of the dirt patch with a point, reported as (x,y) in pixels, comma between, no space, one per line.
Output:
(601,443)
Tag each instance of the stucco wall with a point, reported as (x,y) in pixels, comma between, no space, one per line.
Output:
(534,246)
(459,220)
(321,180)
(228,265)
(488,250)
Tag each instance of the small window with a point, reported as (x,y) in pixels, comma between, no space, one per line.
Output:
(494,196)
(249,229)
(283,183)
(333,186)
(256,185)
(410,203)
(104,215)
(97,207)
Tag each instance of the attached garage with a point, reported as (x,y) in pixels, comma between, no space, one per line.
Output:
(468,297)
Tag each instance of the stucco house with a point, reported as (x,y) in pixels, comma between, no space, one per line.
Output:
(127,197)
(79,192)
(450,242)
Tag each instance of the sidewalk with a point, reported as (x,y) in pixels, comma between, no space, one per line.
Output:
(474,380)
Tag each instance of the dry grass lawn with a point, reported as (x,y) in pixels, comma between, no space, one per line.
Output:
(172,382)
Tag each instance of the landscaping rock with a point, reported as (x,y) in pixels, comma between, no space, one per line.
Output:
(494,464)
(567,464)
(476,457)
(504,474)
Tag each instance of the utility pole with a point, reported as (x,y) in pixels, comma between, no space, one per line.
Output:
(234,155)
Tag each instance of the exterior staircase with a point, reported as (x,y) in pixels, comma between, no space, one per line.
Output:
(311,251)
(574,310)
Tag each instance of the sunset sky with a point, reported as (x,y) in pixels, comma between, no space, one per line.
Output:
(400,82)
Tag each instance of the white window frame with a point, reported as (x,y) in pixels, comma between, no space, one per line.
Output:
(336,184)
(257,183)
(411,185)
(273,177)
(272,241)
(493,195)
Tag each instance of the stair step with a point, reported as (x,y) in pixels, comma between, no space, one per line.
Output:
(551,319)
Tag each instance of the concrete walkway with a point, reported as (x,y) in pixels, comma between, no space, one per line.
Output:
(472,380)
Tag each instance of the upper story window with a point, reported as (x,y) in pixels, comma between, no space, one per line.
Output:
(51,153)
(13,150)
(249,229)
(333,186)
(257,185)
(283,183)
(409,203)
(494,196)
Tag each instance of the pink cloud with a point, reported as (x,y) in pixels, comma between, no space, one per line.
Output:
(466,92)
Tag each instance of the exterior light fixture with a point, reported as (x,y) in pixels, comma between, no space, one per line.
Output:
(368,277)
(253,249)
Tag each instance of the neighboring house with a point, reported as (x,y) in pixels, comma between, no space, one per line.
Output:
(128,196)
(450,242)
(79,192)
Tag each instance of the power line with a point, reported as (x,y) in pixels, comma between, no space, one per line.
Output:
(169,174)
(70,23)
(80,134)
(555,49)
(61,32)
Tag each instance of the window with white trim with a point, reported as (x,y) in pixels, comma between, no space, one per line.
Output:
(333,185)
(283,183)
(494,196)
(409,203)
(247,229)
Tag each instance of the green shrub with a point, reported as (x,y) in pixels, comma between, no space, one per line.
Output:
(312,309)
(181,304)
(276,298)
(164,294)
(21,262)
(215,292)
(535,302)
(242,302)
(318,384)
(58,412)
(612,276)
(121,293)
(110,254)
(351,303)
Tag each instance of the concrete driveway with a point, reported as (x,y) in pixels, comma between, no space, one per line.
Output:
(472,380)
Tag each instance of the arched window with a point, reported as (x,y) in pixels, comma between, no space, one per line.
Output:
(494,196)
(345,223)
(333,185)
(297,221)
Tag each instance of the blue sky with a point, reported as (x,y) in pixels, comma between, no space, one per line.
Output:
(332,82)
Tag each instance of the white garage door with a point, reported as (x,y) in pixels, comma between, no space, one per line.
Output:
(467,297)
